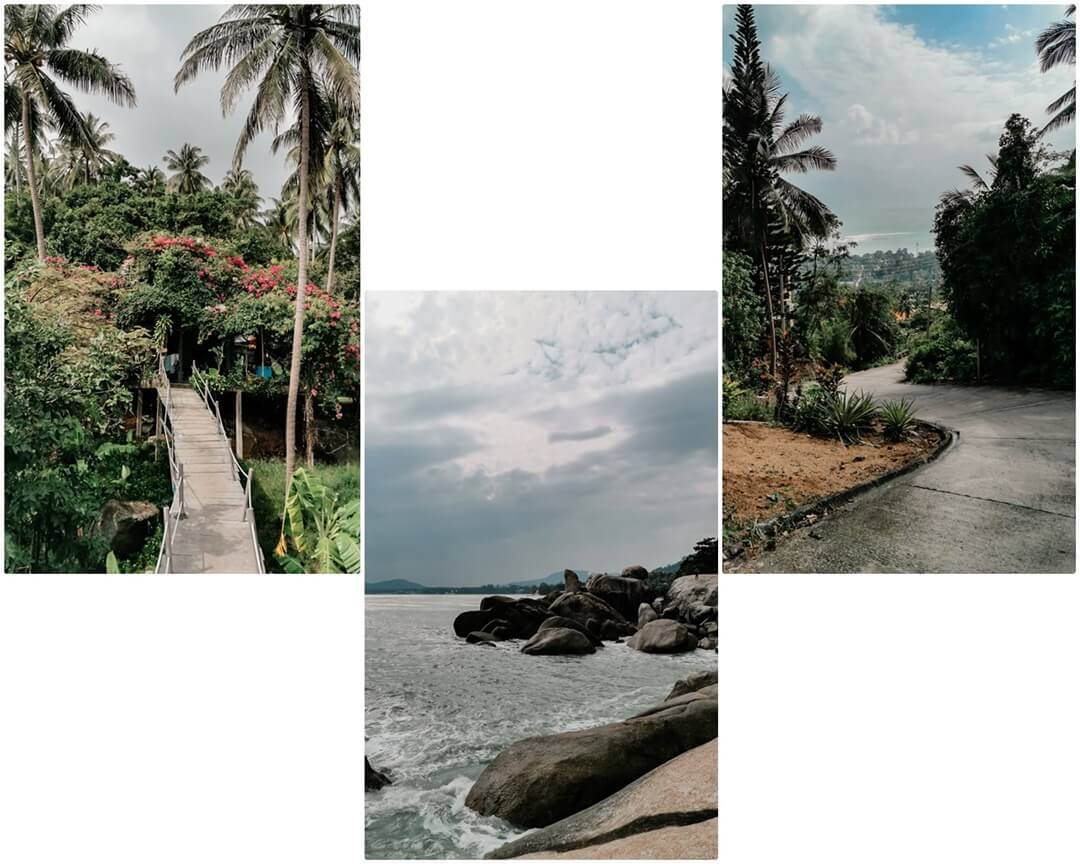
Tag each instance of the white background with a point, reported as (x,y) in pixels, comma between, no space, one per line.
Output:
(863,719)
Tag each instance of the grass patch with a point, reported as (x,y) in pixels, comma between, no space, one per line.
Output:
(268,496)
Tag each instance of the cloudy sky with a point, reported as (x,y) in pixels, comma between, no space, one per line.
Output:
(906,94)
(146,41)
(512,435)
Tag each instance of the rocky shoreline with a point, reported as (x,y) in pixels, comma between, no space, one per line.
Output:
(644,787)
(578,619)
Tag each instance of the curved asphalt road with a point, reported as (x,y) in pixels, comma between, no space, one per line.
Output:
(1001,499)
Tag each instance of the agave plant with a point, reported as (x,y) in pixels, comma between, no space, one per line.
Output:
(319,535)
(848,416)
(898,419)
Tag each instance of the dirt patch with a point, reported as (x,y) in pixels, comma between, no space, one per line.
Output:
(769,470)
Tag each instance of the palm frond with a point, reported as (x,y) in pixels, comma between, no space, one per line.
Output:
(810,159)
(92,73)
(797,132)
(974,176)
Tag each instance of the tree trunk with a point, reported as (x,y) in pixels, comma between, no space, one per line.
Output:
(31,178)
(18,158)
(309,429)
(333,235)
(301,280)
(769,309)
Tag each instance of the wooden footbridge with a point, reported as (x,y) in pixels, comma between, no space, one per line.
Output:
(210,525)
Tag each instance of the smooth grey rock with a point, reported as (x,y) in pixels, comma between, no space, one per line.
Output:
(645,614)
(663,637)
(558,640)
(125,525)
(622,593)
(635,571)
(540,780)
(693,683)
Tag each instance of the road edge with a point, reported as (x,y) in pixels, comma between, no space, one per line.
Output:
(822,506)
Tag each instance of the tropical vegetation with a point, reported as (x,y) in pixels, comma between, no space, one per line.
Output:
(107,262)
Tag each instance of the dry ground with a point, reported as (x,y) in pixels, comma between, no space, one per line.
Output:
(770,470)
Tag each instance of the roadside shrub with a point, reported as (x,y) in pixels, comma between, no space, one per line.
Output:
(943,354)
(808,410)
(835,343)
(747,406)
(848,416)
(897,419)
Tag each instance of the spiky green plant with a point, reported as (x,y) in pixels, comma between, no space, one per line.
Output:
(848,416)
(897,419)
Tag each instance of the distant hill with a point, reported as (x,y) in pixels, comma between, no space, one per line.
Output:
(668,568)
(555,578)
(393,586)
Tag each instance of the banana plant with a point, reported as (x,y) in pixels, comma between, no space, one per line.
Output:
(318,534)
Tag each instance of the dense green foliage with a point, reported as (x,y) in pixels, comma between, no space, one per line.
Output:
(943,353)
(321,529)
(1008,259)
(65,405)
(744,315)
(268,493)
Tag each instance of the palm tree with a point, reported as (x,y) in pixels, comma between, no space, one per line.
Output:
(35,56)
(337,173)
(187,178)
(1056,45)
(276,220)
(298,51)
(151,178)
(13,169)
(240,184)
(84,161)
(758,202)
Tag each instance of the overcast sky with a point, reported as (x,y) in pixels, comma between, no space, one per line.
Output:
(146,41)
(513,435)
(906,94)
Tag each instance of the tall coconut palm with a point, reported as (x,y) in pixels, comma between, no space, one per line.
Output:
(337,173)
(151,178)
(276,220)
(244,191)
(84,161)
(13,170)
(187,178)
(291,51)
(759,204)
(36,57)
(1057,45)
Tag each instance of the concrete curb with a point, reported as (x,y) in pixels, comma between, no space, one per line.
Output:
(820,506)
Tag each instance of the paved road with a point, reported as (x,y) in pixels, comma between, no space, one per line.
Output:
(1002,499)
(213,536)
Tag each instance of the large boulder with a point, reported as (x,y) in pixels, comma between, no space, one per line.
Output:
(583,606)
(538,781)
(635,571)
(645,614)
(686,592)
(520,616)
(481,637)
(678,794)
(571,624)
(373,778)
(125,525)
(693,683)
(558,640)
(571,583)
(663,636)
(474,619)
(620,592)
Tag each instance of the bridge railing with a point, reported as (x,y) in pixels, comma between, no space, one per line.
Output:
(201,386)
(175,512)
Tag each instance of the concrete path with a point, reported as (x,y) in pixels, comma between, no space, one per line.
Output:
(1002,499)
(213,536)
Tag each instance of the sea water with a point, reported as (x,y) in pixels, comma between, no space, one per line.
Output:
(438,710)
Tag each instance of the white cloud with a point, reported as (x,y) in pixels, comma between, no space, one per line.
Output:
(899,112)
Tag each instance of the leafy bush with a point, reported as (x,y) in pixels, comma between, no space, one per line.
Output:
(848,416)
(834,344)
(808,410)
(897,418)
(268,494)
(943,354)
(872,326)
(321,531)
(747,406)
(743,314)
